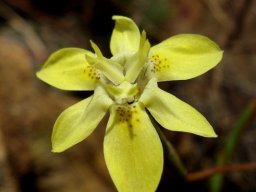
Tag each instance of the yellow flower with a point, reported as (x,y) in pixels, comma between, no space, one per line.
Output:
(126,85)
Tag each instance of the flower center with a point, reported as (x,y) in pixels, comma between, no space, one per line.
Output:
(125,93)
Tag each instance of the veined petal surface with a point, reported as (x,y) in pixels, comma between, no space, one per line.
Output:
(68,69)
(183,57)
(78,121)
(125,36)
(132,149)
(174,114)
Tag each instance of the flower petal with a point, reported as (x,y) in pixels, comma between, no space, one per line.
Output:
(78,121)
(136,62)
(132,149)
(125,36)
(174,114)
(111,69)
(183,57)
(68,69)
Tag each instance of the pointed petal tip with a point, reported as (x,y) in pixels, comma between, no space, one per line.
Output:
(209,134)
(91,42)
(116,17)
(214,135)
(38,74)
(56,149)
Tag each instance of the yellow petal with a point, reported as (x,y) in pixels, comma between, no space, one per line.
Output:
(136,62)
(111,69)
(68,69)
(174,114)
(125,36)
(78,121)
(132,149)
(183,57)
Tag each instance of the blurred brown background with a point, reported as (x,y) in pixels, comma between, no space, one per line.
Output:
(31,29)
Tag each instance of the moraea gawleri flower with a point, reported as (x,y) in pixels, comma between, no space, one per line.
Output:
(126,85)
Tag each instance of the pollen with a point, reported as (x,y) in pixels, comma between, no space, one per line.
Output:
(91,73)
(127,114)
(157,63)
